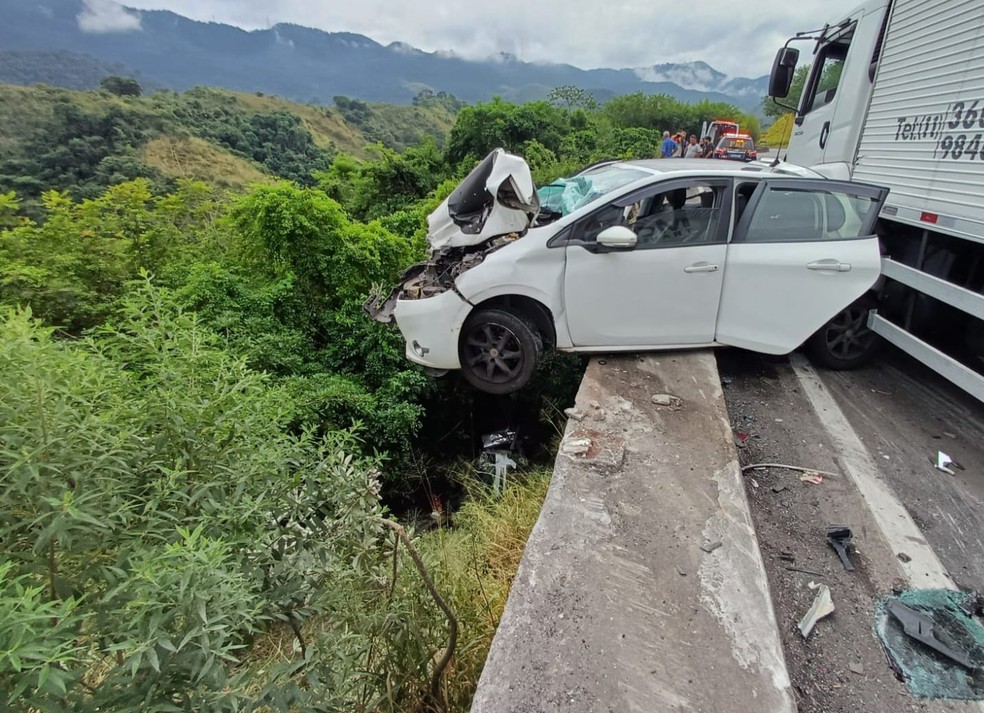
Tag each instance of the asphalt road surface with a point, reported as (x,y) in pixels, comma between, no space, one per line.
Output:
(876,432)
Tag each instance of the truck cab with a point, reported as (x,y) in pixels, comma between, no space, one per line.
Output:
(834,101)
(894,96)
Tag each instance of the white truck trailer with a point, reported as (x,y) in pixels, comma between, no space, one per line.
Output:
(895,97)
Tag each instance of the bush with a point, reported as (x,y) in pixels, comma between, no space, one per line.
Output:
(153,499)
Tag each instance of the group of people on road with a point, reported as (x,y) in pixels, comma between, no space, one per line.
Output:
(677,146)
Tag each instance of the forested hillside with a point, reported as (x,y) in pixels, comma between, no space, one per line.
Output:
(201,432)
(86,141)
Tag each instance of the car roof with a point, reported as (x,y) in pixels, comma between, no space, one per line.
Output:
(714,167)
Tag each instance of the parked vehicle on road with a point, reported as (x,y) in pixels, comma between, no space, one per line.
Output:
(736,147)
(631,256)
(895,97)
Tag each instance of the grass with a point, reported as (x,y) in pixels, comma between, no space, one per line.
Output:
(475,564)
(191,157)
(326,125)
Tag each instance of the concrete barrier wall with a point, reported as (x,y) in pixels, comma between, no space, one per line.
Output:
(616,606)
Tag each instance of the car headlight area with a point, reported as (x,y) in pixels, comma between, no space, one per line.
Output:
(431,327)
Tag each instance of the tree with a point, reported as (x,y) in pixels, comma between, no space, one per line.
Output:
(499,123)
(121,86)
(573,97)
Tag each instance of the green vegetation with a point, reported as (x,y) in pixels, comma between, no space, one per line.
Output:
(84,142)
(64,69)
(199,425)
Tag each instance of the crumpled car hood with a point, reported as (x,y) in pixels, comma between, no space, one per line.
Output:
(495,205)
(497,198)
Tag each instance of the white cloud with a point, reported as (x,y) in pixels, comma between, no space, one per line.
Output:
(106,16)
(736,39)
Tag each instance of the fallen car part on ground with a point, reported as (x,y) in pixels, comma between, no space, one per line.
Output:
(920,627)
(496,459)
(932,643)
(823,605)
(840,538)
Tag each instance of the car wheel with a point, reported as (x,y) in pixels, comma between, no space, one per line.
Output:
(845,342)
(499,351)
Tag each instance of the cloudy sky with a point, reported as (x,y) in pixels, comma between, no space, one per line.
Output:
(737,38)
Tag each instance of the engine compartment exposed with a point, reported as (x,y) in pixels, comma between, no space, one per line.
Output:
(435,276)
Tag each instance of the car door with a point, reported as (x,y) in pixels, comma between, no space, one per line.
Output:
(665,290)
(802,251)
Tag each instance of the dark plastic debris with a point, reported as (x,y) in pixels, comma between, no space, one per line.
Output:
(505,440)
(840,537)
(914,624)
(920,627)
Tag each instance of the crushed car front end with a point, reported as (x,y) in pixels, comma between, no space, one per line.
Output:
(491,208)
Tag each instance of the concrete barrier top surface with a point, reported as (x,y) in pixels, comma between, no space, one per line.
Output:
(624,600)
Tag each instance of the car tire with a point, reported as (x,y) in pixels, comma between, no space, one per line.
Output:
(499,350)
(845,342)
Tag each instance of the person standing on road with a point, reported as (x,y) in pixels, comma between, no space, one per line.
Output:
(669,146)
(708,148)
(693,148)
(681,142)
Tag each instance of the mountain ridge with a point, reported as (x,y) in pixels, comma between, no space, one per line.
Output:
(312,65)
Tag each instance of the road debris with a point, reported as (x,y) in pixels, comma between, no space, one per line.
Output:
(711,546)
(779,487)
(823,605)
(741,439)
(576,446)
(904,557)
(790,568)
(574,413)
(673,402)
(840,537)
(814,478)
(681,571)
(761,466)
(943,461)
(920,627)
(856,667)
(498,448)
(932,643)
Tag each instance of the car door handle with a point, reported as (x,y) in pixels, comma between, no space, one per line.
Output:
(829,266)
(701,267)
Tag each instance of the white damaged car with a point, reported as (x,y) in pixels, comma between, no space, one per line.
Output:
(637,256)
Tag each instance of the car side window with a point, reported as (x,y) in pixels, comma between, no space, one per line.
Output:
(684,214)
(785,215)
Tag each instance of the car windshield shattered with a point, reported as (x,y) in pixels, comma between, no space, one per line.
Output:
(565,195)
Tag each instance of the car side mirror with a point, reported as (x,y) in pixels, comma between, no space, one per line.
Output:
(783,69)
(617,237)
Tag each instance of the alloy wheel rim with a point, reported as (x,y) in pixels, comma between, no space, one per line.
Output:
(848,336)
(493,352)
